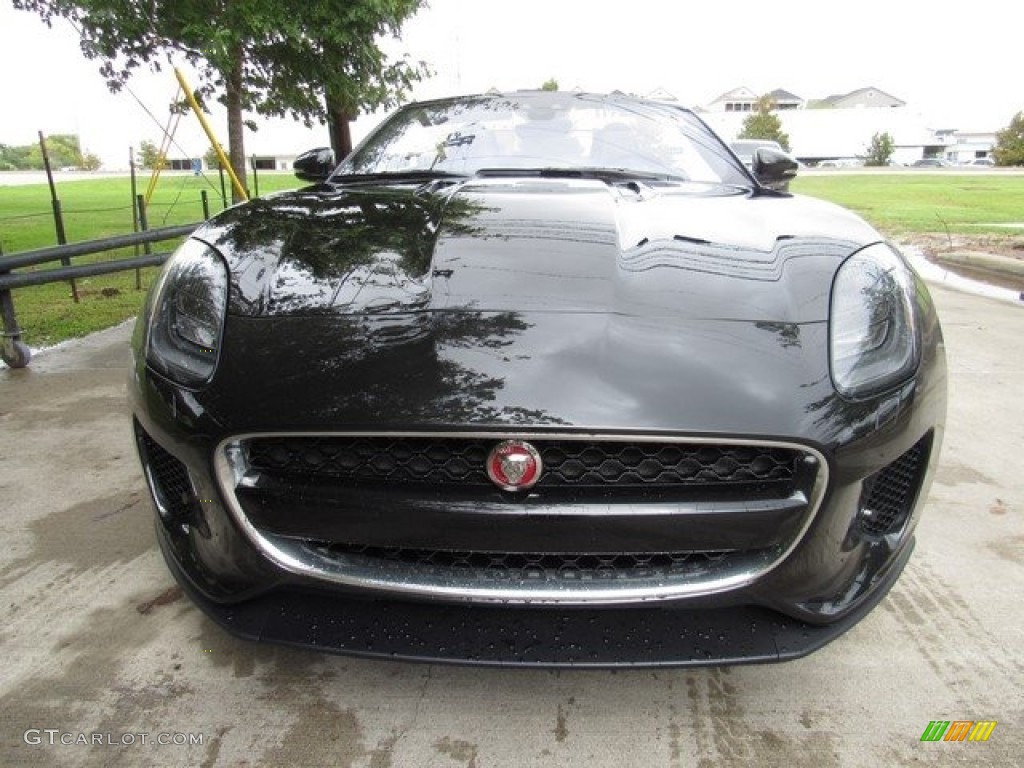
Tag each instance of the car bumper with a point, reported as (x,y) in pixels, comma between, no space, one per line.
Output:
(635,636)
(834,564)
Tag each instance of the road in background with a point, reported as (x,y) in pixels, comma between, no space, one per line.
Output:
(98,642)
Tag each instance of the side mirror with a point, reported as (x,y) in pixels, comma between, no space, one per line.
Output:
(774,169)
(315,165)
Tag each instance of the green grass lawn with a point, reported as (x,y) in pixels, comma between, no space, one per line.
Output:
(898,204)
(95,208)
(101,207)
(904,203)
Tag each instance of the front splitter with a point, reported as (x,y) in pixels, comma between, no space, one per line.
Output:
(519,635)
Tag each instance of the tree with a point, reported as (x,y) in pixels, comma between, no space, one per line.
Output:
(64,150)
(91,162)
(763,124)
(148,156)
(211,159)
(328,65)
(312,60)
(19,158)
(550,85)
(1009,149)
(880,150)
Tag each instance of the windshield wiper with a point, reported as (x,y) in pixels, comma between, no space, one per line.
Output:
(420,174)
(604,174)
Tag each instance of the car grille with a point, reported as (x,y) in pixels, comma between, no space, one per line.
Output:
(612,517)
(889,495)
(534,567)
(567,464)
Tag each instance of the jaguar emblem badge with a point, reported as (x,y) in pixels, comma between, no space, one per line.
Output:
(514,465)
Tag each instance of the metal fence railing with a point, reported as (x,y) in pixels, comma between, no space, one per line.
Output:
(14,351)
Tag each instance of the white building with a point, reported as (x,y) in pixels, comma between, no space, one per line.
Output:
(740,99)
(839,128)
(817,135)
(870,97)
(970,145)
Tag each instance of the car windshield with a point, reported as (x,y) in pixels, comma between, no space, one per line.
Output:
(555,133)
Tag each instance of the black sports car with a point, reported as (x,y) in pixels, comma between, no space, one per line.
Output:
(539,378)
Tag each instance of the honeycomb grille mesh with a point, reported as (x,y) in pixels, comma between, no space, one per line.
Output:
(525,566)
(170,478)
(567,463)
(889,494)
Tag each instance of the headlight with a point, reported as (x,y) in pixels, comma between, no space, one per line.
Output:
(187,315)
(873,333)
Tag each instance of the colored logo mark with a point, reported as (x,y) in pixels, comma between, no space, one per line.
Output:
(958,730)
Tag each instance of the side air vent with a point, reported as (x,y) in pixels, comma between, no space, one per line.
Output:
(889,495)
(168,479)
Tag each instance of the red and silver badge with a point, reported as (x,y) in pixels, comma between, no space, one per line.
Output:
(514,465)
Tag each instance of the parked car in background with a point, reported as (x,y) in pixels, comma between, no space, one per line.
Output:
(931,162)
(841,162)
(539,379)
(983,162)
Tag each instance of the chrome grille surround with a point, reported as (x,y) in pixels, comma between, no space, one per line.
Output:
(314,560)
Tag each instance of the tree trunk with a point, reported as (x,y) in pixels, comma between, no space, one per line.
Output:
(236,137)
(338,119)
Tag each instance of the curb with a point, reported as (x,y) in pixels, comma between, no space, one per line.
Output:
(982,260)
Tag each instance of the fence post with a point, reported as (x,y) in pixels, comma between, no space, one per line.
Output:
(135,212)
(140,201)
(13,350)
(206,203)
(58,215)
(223,189)
(255,175)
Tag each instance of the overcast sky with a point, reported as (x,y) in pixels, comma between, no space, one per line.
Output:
(959,64)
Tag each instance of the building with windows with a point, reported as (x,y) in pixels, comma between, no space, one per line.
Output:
(967,146)
(743,99)
(837,130)
(740,99)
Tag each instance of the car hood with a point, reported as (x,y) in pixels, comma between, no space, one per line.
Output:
(536,245)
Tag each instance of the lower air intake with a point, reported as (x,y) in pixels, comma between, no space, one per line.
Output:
(168,478)
(889,495)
